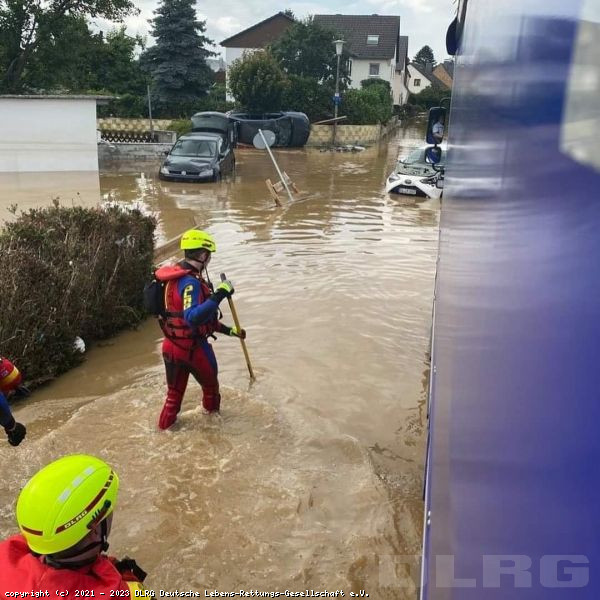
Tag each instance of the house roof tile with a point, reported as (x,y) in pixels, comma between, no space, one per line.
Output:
(435,81)
(402,52)
(354,29)
(260,34)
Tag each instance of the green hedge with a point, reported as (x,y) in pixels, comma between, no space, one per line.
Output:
(367,106)
(70,272)
(180,127)
(129,105)
(429,97)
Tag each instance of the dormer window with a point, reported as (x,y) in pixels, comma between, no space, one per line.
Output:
(372,40)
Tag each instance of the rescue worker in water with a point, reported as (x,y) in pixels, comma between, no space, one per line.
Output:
(11,384)
(64,513)
(191,316)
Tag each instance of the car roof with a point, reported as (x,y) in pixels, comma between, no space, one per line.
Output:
(207,135)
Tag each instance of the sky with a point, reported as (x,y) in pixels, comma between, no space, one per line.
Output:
(424,21)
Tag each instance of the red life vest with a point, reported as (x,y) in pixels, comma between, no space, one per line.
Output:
(174,326)
(22,571)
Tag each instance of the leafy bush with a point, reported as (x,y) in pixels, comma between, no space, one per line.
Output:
(367,106)
(130,106)
(127,105)
(406,111)
(70,272)
(430,96)
(367,83)
(307,95)
(180,126)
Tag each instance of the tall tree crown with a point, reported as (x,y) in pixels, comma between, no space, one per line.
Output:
(425,56)
(177,63)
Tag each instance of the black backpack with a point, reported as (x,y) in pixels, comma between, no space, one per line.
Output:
(154,297)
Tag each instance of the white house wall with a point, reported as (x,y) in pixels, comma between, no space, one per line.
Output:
(360,71)
(387,72)
(232,54)
(414,74)
(48,135)
(399,90)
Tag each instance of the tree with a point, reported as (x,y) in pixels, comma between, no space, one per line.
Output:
(26,24)
(307,49)
(425,56)
(177,63)
(65,60)
(257,81)
(118,69)
(76,60)
(307,95)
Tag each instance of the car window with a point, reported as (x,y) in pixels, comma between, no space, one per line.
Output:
(203,148)
(416,156)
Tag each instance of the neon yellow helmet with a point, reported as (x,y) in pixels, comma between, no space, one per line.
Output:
(194,239)
(59,505)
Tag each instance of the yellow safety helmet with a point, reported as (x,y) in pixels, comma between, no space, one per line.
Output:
(194,239)
(61,503)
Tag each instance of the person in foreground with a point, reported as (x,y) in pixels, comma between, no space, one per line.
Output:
(11,384)
(190,316)
(65,514)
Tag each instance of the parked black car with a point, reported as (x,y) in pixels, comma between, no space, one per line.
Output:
(291,129)
(198,156)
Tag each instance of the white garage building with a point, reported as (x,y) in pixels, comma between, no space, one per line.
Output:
(48,133)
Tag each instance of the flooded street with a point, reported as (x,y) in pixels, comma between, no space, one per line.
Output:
(311,477)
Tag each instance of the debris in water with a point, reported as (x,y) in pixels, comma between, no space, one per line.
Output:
(79,345)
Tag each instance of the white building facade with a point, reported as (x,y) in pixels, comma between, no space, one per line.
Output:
(417,80)
(376,49)
(48,133)
(254,38)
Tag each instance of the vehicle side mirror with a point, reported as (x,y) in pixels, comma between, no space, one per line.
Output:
(436,125)
(166,152)
(433,155)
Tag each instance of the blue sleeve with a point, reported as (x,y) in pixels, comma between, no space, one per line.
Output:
(195,311)
(6,417)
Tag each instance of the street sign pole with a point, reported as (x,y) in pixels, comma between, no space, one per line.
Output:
(281,177)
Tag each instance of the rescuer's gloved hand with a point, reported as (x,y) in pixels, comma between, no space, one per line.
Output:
(21,392)
(15,433)
(235,332)
(224,290)
(227,287)
(129,569)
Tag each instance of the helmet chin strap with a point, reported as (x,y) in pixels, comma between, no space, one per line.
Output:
(69,560)
(201,265)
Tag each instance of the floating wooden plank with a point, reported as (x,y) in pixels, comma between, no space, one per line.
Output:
(329,120)
(273,191)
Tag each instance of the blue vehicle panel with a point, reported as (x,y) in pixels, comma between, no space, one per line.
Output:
(513,481)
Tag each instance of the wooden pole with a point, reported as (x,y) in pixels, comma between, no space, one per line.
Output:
(238,327)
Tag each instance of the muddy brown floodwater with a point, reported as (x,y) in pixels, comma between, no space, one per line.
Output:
(311,478)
